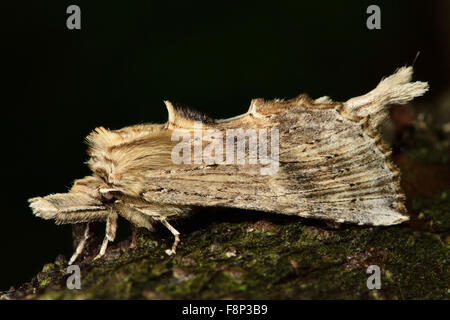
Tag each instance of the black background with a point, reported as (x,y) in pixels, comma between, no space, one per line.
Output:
(127,58)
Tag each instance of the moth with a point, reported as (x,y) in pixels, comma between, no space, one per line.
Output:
(325,160)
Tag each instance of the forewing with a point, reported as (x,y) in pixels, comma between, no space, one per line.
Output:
(332,161)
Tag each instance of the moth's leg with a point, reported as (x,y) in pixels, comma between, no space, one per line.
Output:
(158,217)
(175,233)
(111,228)
(81,245)
(102,249)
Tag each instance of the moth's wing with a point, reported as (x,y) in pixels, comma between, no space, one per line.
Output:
(332,161)
(81,204)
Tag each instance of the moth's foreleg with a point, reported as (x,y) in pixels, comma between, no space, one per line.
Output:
(175,233)
(102,249)
(81,245)
(111,228)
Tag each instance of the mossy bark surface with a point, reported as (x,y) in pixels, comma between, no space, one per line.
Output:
(230,254)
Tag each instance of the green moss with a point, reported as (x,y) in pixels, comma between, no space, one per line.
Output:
(435,212)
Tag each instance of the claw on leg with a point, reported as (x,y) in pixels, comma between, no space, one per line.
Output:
(81,245)
(175,233)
